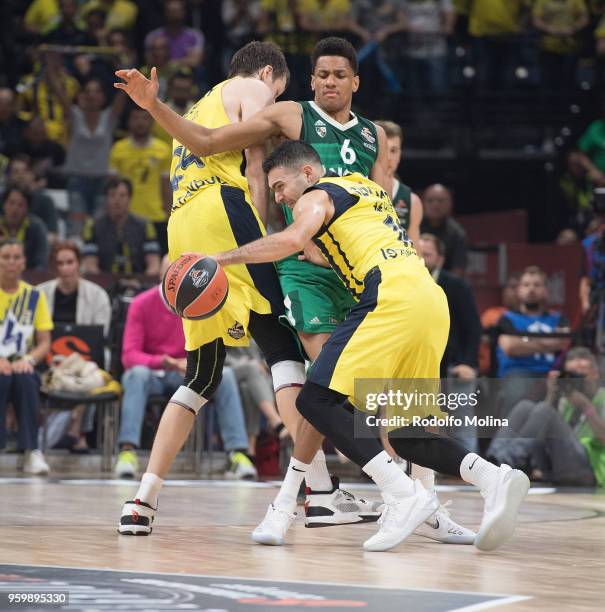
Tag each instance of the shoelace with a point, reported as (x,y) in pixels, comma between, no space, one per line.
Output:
(443,508)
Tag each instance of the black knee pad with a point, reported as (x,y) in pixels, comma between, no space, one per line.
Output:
(276,341)
(314,400)
(203,376)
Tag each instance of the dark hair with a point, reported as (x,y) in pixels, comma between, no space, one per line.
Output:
(113,182)
(63,245)
(534,271)
(255,56)
(436,241)
(11,242)
(581,352)
(335,46)
(20,190)
(291,153)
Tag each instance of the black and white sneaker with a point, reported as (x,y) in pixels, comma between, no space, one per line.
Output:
(338,507)
(137,517)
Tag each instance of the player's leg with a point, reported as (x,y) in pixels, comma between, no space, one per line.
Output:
(204,371)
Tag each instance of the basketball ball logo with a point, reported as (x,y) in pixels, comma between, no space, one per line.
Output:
(199,278)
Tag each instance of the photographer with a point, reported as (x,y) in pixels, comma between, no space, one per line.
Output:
(561,439)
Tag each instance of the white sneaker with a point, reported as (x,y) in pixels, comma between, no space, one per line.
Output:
(273,527)
(137,518)
(400,519)
(442,528)
(34,463)
(127,464)
(502,501)
(338,507)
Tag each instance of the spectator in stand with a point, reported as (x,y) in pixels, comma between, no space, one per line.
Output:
(25,330)
(157,55)
(145,160)
(37,97)
(429,24)
(576,191)
(41,16)
(561,439)
(495,26)
(437,219)
(119,14)
(46,155)
(521,357)
(155,360)
(91,126)
(20,174)
(73,299)
(326,18)
(240,21)
(559,21)
(121,43)
(119,242)
(186,44)
(461,357)
(11,127)
(592,151)
(567,237)
(181,95)
(279,22)
(376,23)
(17,223)
(67,31)
(489,321)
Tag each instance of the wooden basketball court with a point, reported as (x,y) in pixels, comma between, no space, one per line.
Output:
(202,534)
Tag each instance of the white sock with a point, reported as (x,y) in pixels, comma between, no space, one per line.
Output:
(286,498)
(425,475)
(149,489)
(392,482)
(317,477)
(478,471)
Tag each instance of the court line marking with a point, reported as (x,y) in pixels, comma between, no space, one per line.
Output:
(492,604)
(339,584)
(112,482)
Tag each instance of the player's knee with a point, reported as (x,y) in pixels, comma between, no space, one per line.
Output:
(287,373)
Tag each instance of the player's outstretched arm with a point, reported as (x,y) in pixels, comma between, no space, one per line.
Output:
(310,213)
(199,140)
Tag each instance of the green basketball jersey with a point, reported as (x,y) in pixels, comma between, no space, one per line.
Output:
(402,201)
(342,148)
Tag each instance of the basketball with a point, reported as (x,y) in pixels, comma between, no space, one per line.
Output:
(195,287)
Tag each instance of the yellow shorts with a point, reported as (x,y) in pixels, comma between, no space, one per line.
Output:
(221,218)
(398,330)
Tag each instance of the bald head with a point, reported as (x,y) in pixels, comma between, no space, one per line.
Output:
(7,103)
(438,203)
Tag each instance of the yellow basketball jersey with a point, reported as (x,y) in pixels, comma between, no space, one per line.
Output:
(364,231)
(190,174)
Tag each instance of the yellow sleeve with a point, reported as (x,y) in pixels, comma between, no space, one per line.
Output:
(115,157)
(42,318)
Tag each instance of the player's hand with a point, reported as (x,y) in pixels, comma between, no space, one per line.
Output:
(464,372)
(142,90)
(21,366)
(5,367)
(312,254)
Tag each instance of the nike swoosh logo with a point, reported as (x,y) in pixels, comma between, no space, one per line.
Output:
(390,461)
(297,470)
(470,467)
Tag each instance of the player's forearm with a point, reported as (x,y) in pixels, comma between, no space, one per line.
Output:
(267,249)
(257,181)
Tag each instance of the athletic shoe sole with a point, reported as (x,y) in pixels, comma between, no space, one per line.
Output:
(134,530)
(501,526)
(267,539)
(325,522)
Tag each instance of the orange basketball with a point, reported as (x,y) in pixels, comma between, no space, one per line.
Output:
(195,287)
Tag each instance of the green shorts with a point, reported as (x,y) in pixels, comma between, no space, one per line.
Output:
(315,298)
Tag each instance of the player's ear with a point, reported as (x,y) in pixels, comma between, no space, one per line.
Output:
(266,74)
(312,82)
(355,83)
